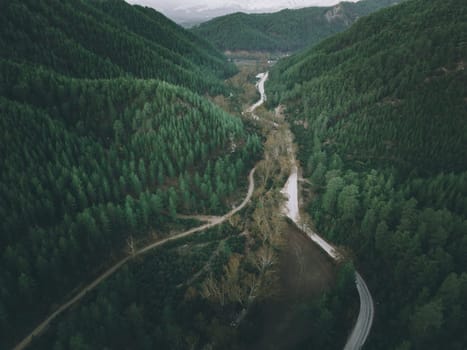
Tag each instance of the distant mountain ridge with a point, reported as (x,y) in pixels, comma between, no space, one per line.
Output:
(287,30)
(198,13)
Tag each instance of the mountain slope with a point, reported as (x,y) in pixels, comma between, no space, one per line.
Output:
(102,39)
(93,157)
(365,78)
(153,26)
(87,164)
(379,113)
(287,30)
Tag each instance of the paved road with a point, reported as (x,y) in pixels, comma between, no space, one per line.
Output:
(218,220)
(362,327)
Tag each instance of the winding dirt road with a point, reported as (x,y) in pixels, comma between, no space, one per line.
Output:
(260,86)
(215,220)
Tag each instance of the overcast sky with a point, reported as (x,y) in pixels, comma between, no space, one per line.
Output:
(177,9)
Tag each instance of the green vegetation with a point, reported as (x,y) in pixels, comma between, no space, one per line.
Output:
(147,305)
(107,39)
(287,30)
(160,303)
(105,139)
(92,156)
(379,113)
(323,318)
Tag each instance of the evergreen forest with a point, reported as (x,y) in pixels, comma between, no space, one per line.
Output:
(380,116)
(105,139)
(109,39)
(287,30)
(121,134)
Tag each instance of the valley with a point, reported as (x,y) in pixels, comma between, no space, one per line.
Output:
(304,190)
(314,272)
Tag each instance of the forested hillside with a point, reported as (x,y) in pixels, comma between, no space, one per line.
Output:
(107,39)
(287,30)
(91,156)
(380,116)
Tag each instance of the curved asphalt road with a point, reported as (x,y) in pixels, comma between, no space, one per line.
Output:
(219,220)
(362,327)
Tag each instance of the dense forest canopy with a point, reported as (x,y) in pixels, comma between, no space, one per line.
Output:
(380,116)
(287,30)
(104,138)
(106,39)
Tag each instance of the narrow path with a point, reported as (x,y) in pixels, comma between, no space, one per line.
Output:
(219,220)
(204,218)
(205,267)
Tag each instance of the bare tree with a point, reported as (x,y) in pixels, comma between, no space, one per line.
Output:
(214,290)
(264,258)
(130,245)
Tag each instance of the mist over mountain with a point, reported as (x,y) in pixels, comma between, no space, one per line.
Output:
(197,11)
(287,30)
